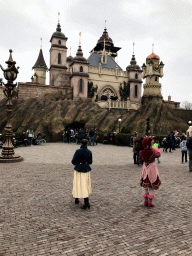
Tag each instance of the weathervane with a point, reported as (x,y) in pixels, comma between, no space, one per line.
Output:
(105,24)
(70,51)
(41,43)
(152,48)
(133,47)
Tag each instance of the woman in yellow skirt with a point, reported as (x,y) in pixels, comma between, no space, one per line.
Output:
(82,178)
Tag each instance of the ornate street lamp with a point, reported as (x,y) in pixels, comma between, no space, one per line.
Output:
(10,74)
(119,120)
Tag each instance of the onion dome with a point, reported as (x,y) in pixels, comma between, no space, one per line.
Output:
(105,37)
(40,63)
(133,64)
(79,55)
(58,33)
(152,56)
(69,58)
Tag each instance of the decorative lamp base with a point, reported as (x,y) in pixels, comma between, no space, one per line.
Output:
(13,159)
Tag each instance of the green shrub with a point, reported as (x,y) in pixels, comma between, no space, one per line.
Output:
(122,139)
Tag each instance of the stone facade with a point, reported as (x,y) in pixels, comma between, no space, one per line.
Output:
(38,90)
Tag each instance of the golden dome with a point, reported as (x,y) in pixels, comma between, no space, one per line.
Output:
(153,56)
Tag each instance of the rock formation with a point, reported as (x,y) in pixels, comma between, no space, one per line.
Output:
(53,113)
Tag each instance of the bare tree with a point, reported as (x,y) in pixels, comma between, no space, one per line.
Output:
(186,105)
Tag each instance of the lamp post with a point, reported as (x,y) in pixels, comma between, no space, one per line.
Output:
(189,122)
(119,120)
(10,74)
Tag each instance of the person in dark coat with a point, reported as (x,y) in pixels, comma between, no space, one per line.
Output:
(170,140)
(82,178)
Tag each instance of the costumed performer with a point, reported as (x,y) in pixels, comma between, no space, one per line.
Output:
(82,178)
(149,178)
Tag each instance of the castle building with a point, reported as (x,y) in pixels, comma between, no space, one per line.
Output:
(98,77)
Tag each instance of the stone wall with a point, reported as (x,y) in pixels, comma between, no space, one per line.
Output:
(31,90)
(185,115)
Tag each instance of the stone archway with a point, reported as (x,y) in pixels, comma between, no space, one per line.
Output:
(108,92)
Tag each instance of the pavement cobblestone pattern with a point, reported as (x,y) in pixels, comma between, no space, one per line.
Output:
(38,215)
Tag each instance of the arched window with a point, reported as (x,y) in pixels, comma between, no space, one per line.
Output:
(81,69)
(136,91)
(81,85)
(136,76)
(156,78)
(59,58)
(59,42)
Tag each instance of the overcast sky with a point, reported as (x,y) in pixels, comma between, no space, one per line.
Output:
(166,23)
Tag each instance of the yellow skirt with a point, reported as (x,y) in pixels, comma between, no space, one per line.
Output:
(81,184)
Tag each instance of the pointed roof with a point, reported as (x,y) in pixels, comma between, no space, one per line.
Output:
(79,56)
(106,42)
(133,64)
(40,63)
(58,33)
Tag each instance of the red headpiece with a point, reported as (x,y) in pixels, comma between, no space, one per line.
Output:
(147,142)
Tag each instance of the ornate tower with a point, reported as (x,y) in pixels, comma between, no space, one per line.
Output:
(79,74)
(152,71)
(40,69)
(135,79)
(58,56)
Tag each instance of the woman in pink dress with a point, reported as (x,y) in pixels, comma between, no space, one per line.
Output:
(149,178)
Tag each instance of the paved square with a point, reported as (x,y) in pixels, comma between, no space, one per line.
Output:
(38,215)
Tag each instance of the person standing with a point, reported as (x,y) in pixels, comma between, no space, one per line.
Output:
(170,140)
(183,146)
(82,178)
(149,177)
(156,145)
(138,146)
(189,147)
(134,148)
(91,139)
(95,136)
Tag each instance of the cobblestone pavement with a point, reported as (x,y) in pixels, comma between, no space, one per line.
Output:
(38,215)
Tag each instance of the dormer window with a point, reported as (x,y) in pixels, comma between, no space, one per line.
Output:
(136,76)
(59,42)
(81,69)
(59,58)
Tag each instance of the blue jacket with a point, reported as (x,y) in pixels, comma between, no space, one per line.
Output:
(82,159)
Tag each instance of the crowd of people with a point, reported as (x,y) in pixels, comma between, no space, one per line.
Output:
(27,138)
(76,135)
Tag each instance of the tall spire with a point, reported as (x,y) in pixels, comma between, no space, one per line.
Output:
(58,17)
(79,38)
(58,25)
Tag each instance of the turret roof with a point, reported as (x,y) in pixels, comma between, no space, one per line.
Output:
(153,56)
(133,64)
(58,33)
(40,63)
